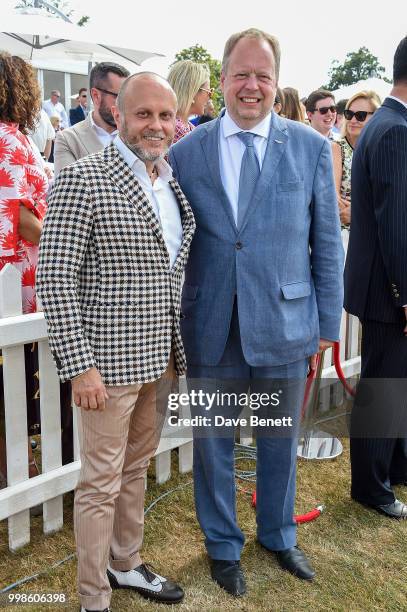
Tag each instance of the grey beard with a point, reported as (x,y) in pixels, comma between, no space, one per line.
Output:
(142,153)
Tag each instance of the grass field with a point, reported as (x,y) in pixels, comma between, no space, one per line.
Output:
(360,556)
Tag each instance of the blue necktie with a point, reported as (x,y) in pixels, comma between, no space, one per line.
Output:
(249,173)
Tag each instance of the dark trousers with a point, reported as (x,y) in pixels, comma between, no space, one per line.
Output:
(378,435)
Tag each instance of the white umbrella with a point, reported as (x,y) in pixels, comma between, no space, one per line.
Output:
(36,37)
(378,85)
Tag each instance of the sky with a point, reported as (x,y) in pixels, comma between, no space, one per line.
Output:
(311,33)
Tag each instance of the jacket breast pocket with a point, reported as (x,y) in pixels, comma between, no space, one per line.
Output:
(290,186)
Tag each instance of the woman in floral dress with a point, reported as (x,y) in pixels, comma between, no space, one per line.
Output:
(23,188)
(359,109)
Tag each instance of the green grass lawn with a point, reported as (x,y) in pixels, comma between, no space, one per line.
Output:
(360,556)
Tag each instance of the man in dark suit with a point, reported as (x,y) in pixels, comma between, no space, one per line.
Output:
(376,292)
(81,111)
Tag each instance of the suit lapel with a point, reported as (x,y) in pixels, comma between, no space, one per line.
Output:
(276,144)
(87,137)
(210,146)
(129,186)
(188,224)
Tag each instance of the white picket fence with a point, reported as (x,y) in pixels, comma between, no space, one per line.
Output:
(22,492)
(48,488)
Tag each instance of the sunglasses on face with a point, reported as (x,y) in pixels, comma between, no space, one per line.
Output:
(208,91)
(360,115)
(106,91)
(324,109)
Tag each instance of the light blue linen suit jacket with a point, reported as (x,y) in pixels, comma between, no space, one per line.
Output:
(284,264)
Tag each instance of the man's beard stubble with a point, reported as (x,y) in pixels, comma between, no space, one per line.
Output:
(141,153)
(106,114)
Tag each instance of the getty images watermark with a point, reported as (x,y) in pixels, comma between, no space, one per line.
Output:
(208,401)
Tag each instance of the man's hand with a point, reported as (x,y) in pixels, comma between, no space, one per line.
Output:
(48,172)
(89,392)
(323,344)
(405,314)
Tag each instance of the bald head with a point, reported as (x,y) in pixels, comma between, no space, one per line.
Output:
(145,114)
(136,84)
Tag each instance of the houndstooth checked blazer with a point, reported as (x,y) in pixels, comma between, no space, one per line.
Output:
(109,296)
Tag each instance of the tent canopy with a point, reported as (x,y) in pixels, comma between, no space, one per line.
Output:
(37,36)
(378,85)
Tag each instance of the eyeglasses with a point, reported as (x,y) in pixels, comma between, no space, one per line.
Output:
(360,115)
(208,91)
(106,91)
(324,109)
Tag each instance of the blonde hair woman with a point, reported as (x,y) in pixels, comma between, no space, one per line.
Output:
(191,83)
(359,109)
(292,105)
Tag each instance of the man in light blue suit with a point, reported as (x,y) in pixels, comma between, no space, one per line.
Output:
(262,294)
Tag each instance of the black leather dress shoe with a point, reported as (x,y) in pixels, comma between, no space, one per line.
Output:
(396,510)
(229,576)
(294,561)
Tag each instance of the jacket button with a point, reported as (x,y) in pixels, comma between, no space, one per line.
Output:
(238,245)
(172,311)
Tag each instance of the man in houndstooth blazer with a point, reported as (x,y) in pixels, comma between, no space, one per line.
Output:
(114,245)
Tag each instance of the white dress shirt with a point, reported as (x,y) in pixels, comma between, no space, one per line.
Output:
(42,131)
(160,195)
(231,150)
(105,137)
(56,110)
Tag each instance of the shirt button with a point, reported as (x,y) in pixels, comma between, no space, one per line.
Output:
(238,245)
(396,295)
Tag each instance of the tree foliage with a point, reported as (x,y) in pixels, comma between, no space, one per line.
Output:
(197,53)
(61,5)
(358,65)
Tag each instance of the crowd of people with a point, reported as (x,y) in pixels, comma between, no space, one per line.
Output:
(176,241)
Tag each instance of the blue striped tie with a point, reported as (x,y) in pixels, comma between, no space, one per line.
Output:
(249,173)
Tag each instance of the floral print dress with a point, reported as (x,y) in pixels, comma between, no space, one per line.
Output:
(346,155)
(22,181)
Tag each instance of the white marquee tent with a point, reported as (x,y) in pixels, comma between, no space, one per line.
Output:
(378,85)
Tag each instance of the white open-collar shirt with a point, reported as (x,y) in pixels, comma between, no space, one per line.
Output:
(105,137)
(160,196)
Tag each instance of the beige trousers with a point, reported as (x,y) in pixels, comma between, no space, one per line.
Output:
(116,446)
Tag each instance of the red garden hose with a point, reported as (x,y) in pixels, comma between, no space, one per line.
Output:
(339,371)
(299,518)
